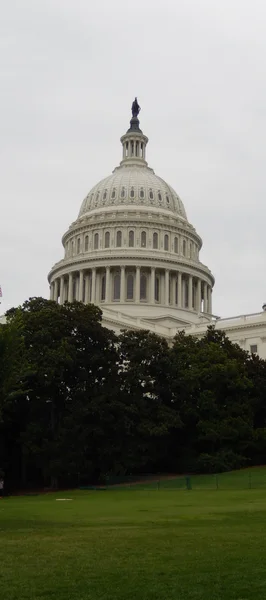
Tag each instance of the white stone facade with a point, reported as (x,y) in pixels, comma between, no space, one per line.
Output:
(133,252)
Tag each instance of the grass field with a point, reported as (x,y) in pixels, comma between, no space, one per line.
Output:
(138,544)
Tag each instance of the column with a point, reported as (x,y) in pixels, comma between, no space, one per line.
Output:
(56,290)
(51,291)
(70,287)
(173,284)
(152,285)
(209,300)
(190,300)
(205,297)
(179,290)
(93,285)
(198,303)
(137,284)
(81,286)
(166,290)
(122,284)
(87,288)
(108,283)
(61,290)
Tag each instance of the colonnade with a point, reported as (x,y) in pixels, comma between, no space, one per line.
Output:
(134,284)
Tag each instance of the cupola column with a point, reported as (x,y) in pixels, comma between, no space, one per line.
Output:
(81,283)
(52,291)
(179,289)
(61,290)
(108,290)
(166,290)
(190,291)
(93,285)
(56,290)
(137,296)
(70,287)
(87,288)
(123,280)
(205,297)
(152,285)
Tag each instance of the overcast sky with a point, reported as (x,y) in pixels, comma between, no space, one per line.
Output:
(69,70)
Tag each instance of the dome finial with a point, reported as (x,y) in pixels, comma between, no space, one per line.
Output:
(135,108)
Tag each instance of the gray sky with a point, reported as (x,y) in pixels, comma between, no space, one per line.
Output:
(69,70)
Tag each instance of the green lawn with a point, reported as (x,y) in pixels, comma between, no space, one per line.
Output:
(135,544)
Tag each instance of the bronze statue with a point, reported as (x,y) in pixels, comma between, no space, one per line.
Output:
(135,108)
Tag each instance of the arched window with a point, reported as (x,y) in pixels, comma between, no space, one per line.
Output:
(107,239)
(166,242)
(103,288)
(184,247)
(96,241)
(117,286)
(131,239)
(119,239)
(86,243)
(159,196)
(176,245)
(78,246)
(130,287)
(132,193)
(190,250)
(141,193)
(167,199)
(113,194)
(143,239)
(151,195)
(104,194)
(157,289)
(123,192)
(72,248)
(155,240)
(143,287)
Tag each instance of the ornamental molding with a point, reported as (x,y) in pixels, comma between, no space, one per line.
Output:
(196,270)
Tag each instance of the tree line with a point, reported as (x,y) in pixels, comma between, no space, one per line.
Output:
(79,404)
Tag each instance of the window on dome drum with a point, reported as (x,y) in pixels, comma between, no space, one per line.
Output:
(104,194)
(117,286)
(123,193)
(78,246)
(166,242)
(103,288)
(131,239)
(107,239)
(86,243)
(190,250)
(253,348)
(143,287)
(167,199)
(184,248)
(130,287)
(132,193)
(159,196)
(143,239)
(72,248)
(141,193)
(113,194)
(157,289)
(176,245)
(96,241)
(151,195)
(118,239)
(155,240)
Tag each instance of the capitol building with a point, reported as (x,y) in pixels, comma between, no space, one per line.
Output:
(133,253)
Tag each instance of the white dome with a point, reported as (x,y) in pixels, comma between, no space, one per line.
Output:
(133,185)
